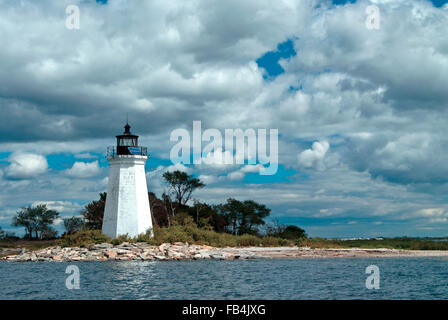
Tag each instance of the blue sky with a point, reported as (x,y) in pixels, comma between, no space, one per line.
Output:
(361,146)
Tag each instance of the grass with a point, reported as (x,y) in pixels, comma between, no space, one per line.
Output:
(391,243)
(177,233)
(183,230)
(187,231)
(28,244)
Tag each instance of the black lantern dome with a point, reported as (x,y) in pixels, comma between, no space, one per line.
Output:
(127,139)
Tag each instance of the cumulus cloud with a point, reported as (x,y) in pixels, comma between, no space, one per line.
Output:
(376,96)
(196,61)
(241,173)
(314,157)
(84,169)
(219,158)
(65,207)
(25,165)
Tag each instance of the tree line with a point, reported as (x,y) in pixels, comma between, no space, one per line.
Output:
(234,216)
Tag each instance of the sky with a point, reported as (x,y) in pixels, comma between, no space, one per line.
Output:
(361,112)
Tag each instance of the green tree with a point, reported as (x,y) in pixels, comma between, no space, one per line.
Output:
(6,235)
(284,231)
(48,233)
(73,224)
(243,216)
(35,220)
(206,215)
(93,213)
(181,185)
(159,211)
(293,232)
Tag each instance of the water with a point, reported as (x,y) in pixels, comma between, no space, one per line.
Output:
(337,278)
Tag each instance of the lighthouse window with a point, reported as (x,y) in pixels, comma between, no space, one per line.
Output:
(127,142)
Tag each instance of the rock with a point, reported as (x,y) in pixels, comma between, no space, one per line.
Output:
(125,245)
(218,256)
(160,257)
(164,246)
(142,245)
(146,257)
(44,259)
(111,254)
(121,251)
(101,246)
(123,258)
(242,256)
(205,255)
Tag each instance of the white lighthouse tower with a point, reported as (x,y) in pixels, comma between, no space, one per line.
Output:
(127,205)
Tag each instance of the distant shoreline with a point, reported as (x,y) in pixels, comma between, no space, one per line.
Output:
(184,251)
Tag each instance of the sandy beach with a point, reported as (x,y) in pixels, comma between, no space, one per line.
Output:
(304,252)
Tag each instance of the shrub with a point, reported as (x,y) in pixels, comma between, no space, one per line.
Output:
(83,238)
(247,240)
(274,242)
(184,230)
(73,224)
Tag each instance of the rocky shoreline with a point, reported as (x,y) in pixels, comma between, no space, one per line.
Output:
(185,251)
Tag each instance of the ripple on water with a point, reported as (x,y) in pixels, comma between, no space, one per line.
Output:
(326,278)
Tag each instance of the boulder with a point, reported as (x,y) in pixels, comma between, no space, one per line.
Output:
(101,246)
(111,254)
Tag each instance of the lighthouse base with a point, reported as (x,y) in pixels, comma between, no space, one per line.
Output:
(127,210)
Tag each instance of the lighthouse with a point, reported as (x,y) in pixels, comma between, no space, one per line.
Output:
(127,208)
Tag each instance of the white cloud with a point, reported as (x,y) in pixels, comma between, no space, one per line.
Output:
(84,169)
(65,207)
(209,179)
(359,90)
(85,155)
(26,165)
(313,158)
(218,158)
(241,173)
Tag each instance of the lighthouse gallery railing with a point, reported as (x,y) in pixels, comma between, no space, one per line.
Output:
(137,151)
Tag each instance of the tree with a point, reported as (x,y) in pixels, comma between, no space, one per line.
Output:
(35,220)
(93,213)
(274,228)
(206,215)
(181,185)
(291,232)
(6,235)
(48,233)
(243,216)
(169,206)
(73,224)
(27,219)
(159,211)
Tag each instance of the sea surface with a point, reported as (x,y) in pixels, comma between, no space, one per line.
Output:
(316,278)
